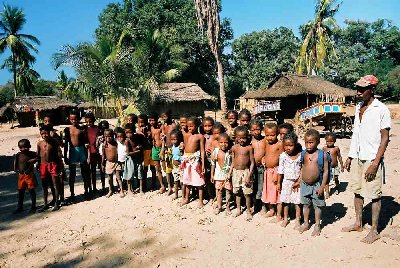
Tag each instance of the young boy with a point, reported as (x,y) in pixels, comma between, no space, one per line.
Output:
(232,118)
(244,118)
(156,150)
(23,165)
(110,163)
(176,156)
(133,168)
(314,177)
(103,125)
(273,149)
(208,124)
(166,128)
(93,132)
(220,167)
(283,129)
(47,150)
(75,153)
(145,130)
(193,161)
(217,129)
(241,170)
(258,144)
(334,152)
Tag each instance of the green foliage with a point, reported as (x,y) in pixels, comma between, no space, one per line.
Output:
(44,88)
(261,56)
(6,94)
(394,81)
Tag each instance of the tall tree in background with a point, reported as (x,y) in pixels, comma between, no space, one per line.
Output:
(12,19)
(317,45)
(208,17)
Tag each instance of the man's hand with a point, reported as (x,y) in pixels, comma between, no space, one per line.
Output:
(347,165)
(371,172)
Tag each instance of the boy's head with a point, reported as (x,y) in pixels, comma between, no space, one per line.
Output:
(256,127)
(104,125)
(153,118)
(142,120)
(244,117)
(271,132)
(208,123)
(45,131)
(131,118)
(166,116)
(290,142)
(217,129)
(129,129)
(90,119)
(232,117)
(311,140)
(48,120)
(241,133)
(193,124)
(223,141)
(24,145)
(183,121)
(74,118)
(109,135)
(330,139)
(284,129)
(120,134)
(175,137)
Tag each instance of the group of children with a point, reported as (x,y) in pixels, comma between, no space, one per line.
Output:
(265,164)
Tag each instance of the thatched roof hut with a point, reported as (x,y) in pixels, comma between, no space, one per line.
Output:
(296,92)
(182,98)
(26,107)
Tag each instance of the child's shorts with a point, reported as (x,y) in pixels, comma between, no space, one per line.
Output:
(94,158)
(177,173)
(309,195)
(133,169)
(112,167)
(335,171)
(155,153)
(26,181)
(168,164)
(77,155)
(147,161)
(47,169)
(238,181)
(219,185)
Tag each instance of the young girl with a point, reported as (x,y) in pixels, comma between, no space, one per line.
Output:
(217,129)
(334,152)
(232,117)
(220,165)
(289,178)
(133,168)
(103,125)
(176,155)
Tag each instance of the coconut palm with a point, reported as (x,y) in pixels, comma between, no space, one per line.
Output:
(317,45)
(12,19)
(208,17)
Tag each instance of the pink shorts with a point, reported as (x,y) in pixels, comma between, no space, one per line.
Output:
(270,195)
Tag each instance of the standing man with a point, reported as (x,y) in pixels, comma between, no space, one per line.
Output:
(368,144)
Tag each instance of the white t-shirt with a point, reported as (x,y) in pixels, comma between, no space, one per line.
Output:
(366,133)
(121,151)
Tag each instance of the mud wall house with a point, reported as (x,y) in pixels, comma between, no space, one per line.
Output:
(296,92)
(182,98)
(26,107)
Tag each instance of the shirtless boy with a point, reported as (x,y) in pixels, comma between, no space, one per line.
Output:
(156,150)
(93,132)
(258,144)
(241,170)
(244,118)
(23,165)
(145,130)
(110,163)
(314,177)
(193,161)
(133,168)
(208,124)
(334,152)
(75,152)
(47,150)
(273,149)
(232,118)
(166,128)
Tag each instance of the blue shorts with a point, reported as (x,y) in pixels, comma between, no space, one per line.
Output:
(77,155)
(309,195)
(133,169)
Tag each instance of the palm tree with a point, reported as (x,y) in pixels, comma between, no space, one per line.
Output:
(317,45)
(12,19)
(208,17)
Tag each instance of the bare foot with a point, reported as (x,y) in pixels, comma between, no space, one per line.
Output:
(270,214)
(285,223)
(352,228)
(109,194)
(200,205)
(131,193)
(238,212)
(263,211)
(217,211)
(297,225)
(249,216)
(228,212)
(184,202)
(276,220)
(174,197)
(121,194)
(317,230)
(304,227)
(170,192)
(162,190)
(371,237)
(214,204)
(392,233)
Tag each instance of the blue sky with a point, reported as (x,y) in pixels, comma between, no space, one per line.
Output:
(57,22)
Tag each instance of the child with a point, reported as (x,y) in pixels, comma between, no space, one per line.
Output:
(242,169)
(176,156)
(208,124)
(144,129)
(75,152)
(273,149)
(156,150)
(133,168)
(314,177)
(283,129)
(220,166)
(166,128)
(93,132)
(289,178)
(110,163)
(103,125)
(47,150)
(121,153)
(193,161)
(232,117)
(132,119)
(23,165)
(258,144)
(244,118)
(334,152)
(217,129)
(183,123)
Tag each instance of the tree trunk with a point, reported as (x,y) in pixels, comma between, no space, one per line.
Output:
(14,74)
(221,84)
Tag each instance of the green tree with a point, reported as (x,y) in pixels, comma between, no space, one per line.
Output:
(6,94)
(11,22)
(394,81)
(317,45)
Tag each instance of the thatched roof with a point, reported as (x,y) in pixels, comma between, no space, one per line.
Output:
(180,92)
(41,103)
(294,85)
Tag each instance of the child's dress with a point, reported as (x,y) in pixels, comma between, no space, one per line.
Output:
(221,173)
(191,165)
(176,169)
(290,169)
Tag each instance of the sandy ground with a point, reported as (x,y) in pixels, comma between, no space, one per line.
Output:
(153,231)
